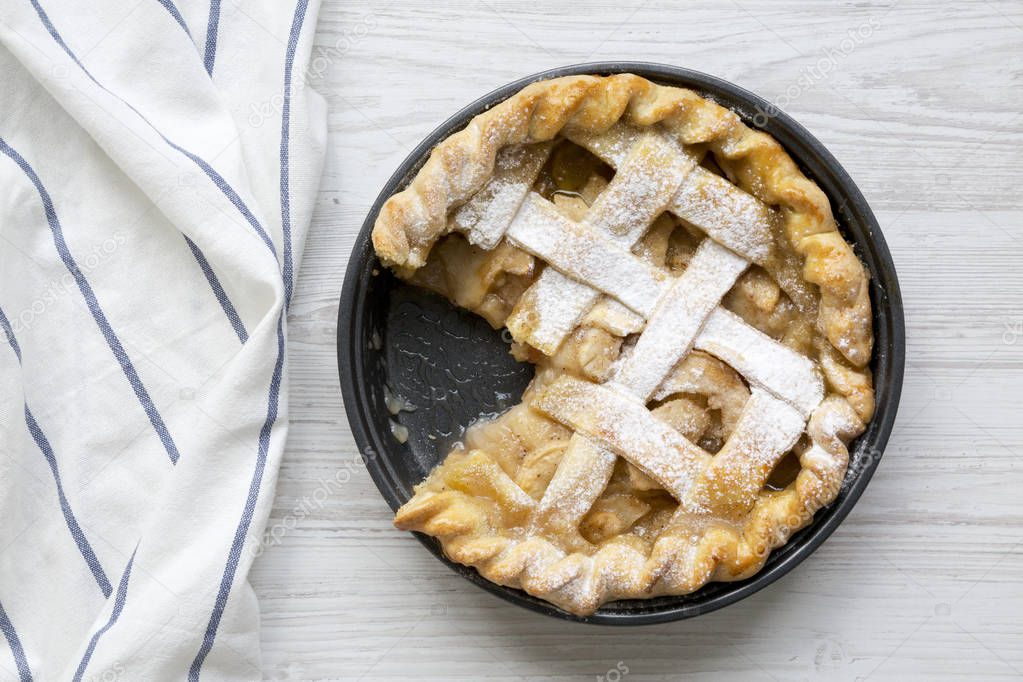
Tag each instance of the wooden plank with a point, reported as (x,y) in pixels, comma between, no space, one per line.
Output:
(925,577)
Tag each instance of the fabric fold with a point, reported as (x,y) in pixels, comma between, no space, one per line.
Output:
(150,233)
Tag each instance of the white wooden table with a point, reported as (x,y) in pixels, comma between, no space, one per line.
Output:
(921,103)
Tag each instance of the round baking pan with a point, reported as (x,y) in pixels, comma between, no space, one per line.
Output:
(452,368)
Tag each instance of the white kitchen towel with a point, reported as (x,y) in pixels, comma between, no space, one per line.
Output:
(158,166)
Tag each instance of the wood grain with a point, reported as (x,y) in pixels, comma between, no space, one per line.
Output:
(925,578)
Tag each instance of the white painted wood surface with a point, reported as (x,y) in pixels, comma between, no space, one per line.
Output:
(921,102)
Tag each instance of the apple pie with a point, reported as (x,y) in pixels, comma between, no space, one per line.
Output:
(700,331)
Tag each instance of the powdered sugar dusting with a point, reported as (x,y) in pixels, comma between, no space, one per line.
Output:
(726,213)
(680,314)
(762,360)
(550,309)
(650,173)
(487,214)
(729,215)
(586,256)
(642,189)
(612,146)
(767,429)
(581,476)
(594,279)
(623,423)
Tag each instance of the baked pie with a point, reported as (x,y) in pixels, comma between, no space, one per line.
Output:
(700,329)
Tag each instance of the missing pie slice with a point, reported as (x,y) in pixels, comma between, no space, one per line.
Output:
(701,333)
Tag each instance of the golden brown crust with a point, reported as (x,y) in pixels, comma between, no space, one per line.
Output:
(477,529)
(411,221)
(475,503)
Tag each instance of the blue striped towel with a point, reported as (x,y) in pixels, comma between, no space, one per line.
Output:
(158,165)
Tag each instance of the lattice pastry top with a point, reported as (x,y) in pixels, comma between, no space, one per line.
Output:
(700,328)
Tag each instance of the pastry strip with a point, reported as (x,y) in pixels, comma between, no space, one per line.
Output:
(625,426)
(581,253)
(649,175)
(484,218)
(730,216)
(767,429)
(680,314)
(762,360)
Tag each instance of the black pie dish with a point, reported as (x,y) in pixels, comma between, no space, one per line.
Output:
(454,368)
